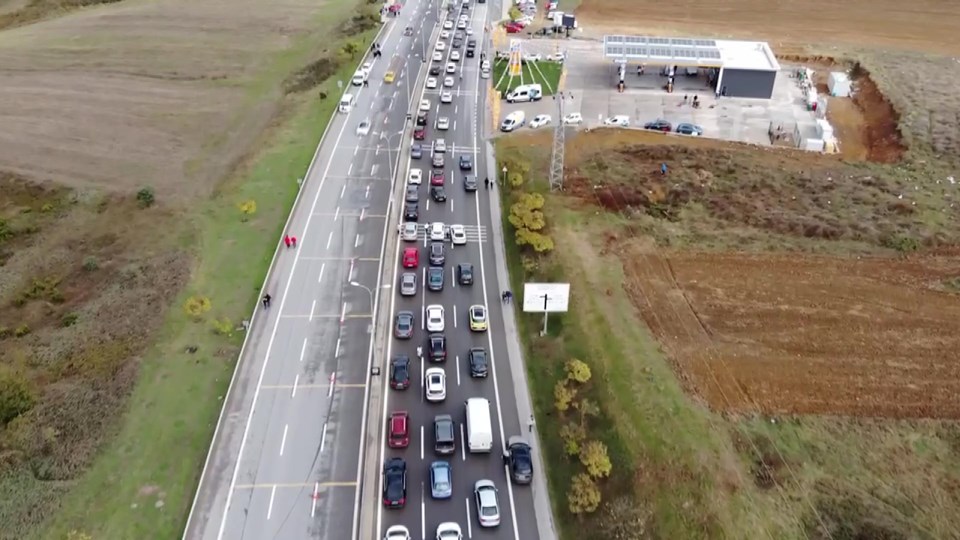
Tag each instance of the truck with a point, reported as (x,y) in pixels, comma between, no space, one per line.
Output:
(479,428)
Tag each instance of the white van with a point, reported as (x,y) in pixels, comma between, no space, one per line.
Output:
(513,121)
(479,428)
(525,92)
(346,103)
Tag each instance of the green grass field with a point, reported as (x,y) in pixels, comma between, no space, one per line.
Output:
(547,74)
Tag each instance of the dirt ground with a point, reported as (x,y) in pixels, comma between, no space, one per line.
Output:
(783,334)
(924,25)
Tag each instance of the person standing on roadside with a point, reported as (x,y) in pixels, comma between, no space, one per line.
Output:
(293,241)
(266,300)
(286,240)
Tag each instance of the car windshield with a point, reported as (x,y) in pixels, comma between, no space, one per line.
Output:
(435,380)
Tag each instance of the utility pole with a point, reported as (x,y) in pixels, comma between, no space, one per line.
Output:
(556,158)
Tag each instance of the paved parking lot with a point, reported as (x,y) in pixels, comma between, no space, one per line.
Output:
(591,81)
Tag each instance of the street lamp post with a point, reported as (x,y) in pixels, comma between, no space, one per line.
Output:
(364,287)
(389,138)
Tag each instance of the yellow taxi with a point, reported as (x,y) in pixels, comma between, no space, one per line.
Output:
(389,76)
(478,318)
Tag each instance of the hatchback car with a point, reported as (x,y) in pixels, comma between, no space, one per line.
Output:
(363,129)
(458,235)
(540,120)
(470,183)
(477,360)
(420,133)
(408,284)
(411,212)
(437,347)
(447,25)
(435,278)
(408,231)
(488,507)
(395,483)
(435,319)
(400,373)
(689,129)
(412,194)
(519,460)
(449,531)
(438,256)
(404,325)
(478,318)
(451,67)
(438,194)
(443,123)
(466,162)
(431,83)
(399,430)
(411,257)
(416,150)
(465,274)
(436,178)
(441,480)
(444,434)
(438,160)
(658,125)
(435,385)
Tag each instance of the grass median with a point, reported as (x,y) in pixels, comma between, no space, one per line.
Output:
(546,74)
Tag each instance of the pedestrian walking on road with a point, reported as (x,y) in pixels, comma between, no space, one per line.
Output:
(503,297)
(293,241)
(266,300)
(486,183)
(286,239)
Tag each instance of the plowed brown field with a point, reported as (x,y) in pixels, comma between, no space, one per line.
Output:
(790,334)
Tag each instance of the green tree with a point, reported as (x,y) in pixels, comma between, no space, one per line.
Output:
(515,178)
(540,243)
(584,495)
(578,370)
(594,457)
(563,395)
(527,212)
(145,197)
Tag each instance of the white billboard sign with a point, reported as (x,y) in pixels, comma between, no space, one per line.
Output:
(546,297)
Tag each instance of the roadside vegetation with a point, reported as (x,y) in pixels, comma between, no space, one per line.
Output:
(545,73)
(108,398)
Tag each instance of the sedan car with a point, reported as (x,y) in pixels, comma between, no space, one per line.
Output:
(363,129)
(444,434)
(404,325)
(440,46)
(435,70)
(530,57)
(443,122)
(449,531)
(437,231)
(437,347)
(408,284)
(440,145)
(408,31)
(465,274)
(470,183)
(478,318)
(447,25)
(416,150)
(573,119)
(411,212)
(488,507)
(437,56)
(420,133)
(435,319)
(400,373)
(461,24)
(477,360)
(415,177)
(395,483)
(448,82)
(431,83)
(620,120)
(435,385)
(399,429)
(408,232)
(412,194)
(437,256)
(519,460)
(438,194)
(658,125)
(446,97)
(444,34)
(436,178)
(540,120)
(458,235)
(438,160)
(397,532)
(466,162)
(424,104)
(441,480)
(689,129)
(435,275)
(455,56)
(451,67)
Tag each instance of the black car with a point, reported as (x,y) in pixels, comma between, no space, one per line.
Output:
(437,255)
(438,194)
(408,31)
(435,278)
(457,43)
(411,212)
(658,125)
(465,273)
(471,51)
(466,162)
(413,193)
(444,434)
(437,347)
(416,150)
(395,483)
(519,460)
(400,373)
(477,359)
(435,70)
(403,328)
(470,183)
(472,43)
(422,118)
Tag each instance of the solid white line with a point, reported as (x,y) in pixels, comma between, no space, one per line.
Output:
(316,495)
(463,443)
(273,493)
(356,241)
(343,312)
(454,315)
(421,443)
(336,353)
(303,349)
(323,437)
(313,307)
(423,514)
(322,267)
(469,524)
(344,188)
(336,214)
(329,239)
(283,441)
(458,370)
(293,394)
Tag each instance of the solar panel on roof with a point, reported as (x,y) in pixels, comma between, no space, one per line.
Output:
(706,43)
(659,41)
(687,42)
(685,53)
(634,39)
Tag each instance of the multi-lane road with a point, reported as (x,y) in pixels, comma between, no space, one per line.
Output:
(287,458)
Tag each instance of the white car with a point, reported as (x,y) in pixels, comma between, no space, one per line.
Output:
(437,232)
(488,508)
(455,56)
(438,56)
(431,83)
(573,119)
(424,104)
(620,120)
(461,24)
(469,31)
(440,146)
(556,57)
(435,318)
(440,46)
(446,97)
(540,120)
(367,66)
(416,177)
(435,384)
(448,82)
(363,129)
(408,231)
(443,123)
(445,34)
(449,531)
(532,57)
(397,532)
(458,235)
(447,25)
(451,67)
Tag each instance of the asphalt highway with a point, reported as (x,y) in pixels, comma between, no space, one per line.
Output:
(422,513)
(286,456)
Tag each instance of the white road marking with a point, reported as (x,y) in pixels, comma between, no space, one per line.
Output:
(322,267)
(366,194)
(362,211)
(356,241)
(453,276)
(313,307)
(316,495)
(423,381)
(329,239)
(333,382)
(463,443)
(423,513)
(303,349)
(454,315)
(323,437)
(283,441)
(427,209)
(421,443)
(454,125)
(273,493)
(451,205)
(469,524)
(350,272)
(355,150)
(373,170)
(336,215)
(336,353)
(458,370)
(350,170)
(293,394)
(343,312)
(343,190)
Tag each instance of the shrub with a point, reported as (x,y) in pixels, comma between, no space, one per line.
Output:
(540,243)
(594,457)
(350,49)
(6,232)
(248,208)
(585,408)
(584,495)
(573,436)
(145,197)
(21,330)
(78,535)
(47,207)
(69,319)
(222,326)
(563,396)
(578,370)
(527,212)
(196,306)
(515,179)
(90,263)
(15,396)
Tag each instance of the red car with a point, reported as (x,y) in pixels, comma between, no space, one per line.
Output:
(436,178)
(399,430)
(394,9)
(411,257)
(513,28)
(420,134)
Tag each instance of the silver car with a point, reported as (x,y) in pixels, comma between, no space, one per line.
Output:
(488,507)
(408,231)
(441,480)
(408,284)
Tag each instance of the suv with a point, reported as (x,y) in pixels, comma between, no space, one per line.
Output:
(437,256)
(518,460)
(477,359)
(399,430)
(435,278)
(444,434)
(437,347)
(395,483)
(465,273)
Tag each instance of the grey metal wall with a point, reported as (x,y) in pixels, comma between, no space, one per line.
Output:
(748,83)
